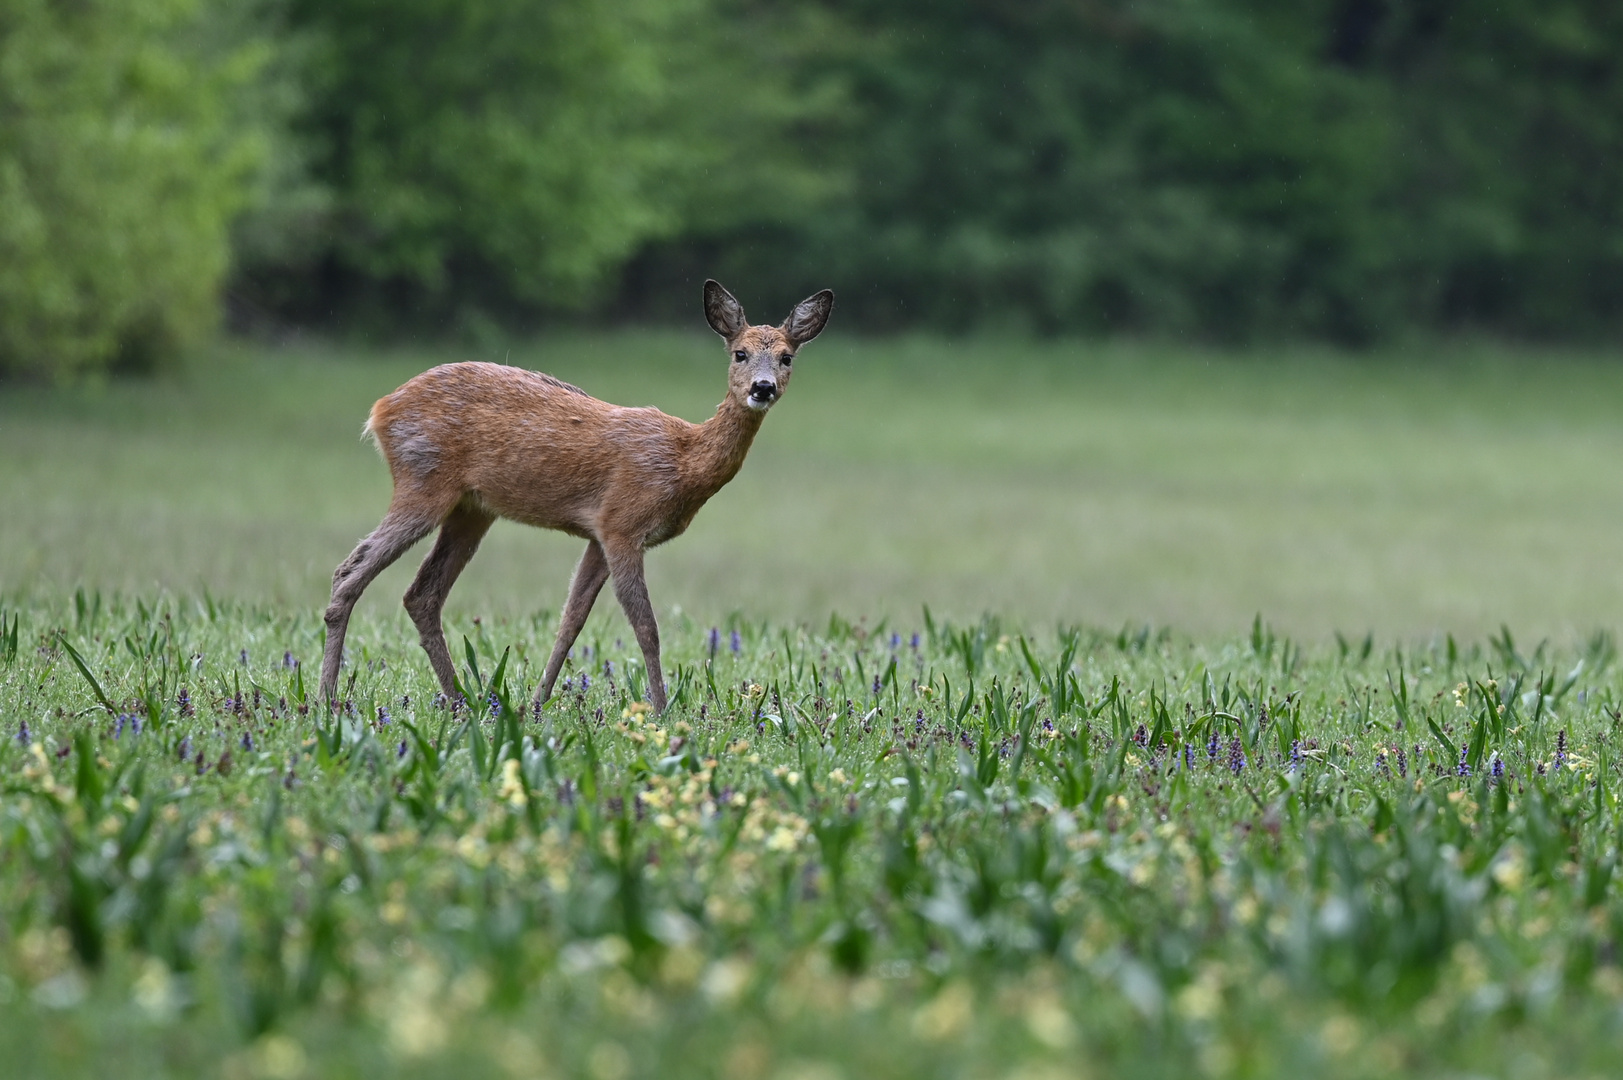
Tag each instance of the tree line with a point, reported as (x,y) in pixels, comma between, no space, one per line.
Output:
(1227,170)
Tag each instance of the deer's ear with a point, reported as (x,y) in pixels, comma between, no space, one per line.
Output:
(809,317)
(726,315)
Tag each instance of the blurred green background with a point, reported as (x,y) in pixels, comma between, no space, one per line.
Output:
(1159,311)
(1356,171)
(1108,485)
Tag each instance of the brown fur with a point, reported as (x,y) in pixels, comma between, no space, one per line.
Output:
(468,443)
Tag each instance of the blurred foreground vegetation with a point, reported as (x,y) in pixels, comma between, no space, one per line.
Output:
(1357,170)
(918,849)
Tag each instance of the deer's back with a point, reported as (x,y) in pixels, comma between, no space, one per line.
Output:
(528,446)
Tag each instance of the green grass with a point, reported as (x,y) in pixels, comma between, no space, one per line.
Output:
(1405,494)
(1091,854)
(1026,853)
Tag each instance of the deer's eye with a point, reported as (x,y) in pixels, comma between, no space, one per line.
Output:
(741,356)
(786,359)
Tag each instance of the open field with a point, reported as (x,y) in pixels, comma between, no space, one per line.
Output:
(888,843)
(840,854)
(1405,494)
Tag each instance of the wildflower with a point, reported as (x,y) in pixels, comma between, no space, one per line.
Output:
(1296,754)
(736,643)
(1236,756)
(715,641)
(247,741)
(383,716)
(184,750)
(512,784)
(585,682)
(1380,764)
(400,751)
(24,737)
(242,658)
(895,641)
(1498,768)
(1459,696)
(1561,750)
(1403,764)
(569,685)
(1464,769)
(1212,747)
(183,701)
(118,725)
(288,663)
(876,685)
(913,643)
(495,704)
(608,669)
(1188,757)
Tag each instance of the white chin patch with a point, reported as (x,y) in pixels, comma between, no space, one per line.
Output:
(757,404)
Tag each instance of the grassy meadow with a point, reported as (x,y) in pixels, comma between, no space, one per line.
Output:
(980,762)
(1405,494)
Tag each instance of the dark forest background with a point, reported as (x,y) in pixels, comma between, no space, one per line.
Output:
(1219,170)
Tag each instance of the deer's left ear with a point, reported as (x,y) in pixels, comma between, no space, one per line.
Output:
(809,317)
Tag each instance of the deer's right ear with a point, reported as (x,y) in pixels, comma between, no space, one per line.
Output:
(726,315)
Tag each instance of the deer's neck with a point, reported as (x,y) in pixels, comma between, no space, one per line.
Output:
(722,442)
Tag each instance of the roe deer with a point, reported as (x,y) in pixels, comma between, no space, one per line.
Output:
(468,443)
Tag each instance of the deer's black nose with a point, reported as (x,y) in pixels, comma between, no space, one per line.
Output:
(764,390)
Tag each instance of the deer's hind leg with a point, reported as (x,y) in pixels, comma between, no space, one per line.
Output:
(588,581)
(400,528)
(459,538)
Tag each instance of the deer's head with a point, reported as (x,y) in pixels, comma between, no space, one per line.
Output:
(762,357)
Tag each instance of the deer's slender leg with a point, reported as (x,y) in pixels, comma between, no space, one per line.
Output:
(425,599)
(625,563)
(583,589)
(398,530)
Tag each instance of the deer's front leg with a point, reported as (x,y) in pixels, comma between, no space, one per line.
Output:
(625,563)
(590,574)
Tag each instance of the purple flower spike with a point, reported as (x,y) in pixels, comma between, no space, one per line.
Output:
(736,642)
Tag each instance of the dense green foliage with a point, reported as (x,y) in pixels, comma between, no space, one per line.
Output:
(1344,168)
(954,851)
(128,144)
(1347,169)
(1228,169)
